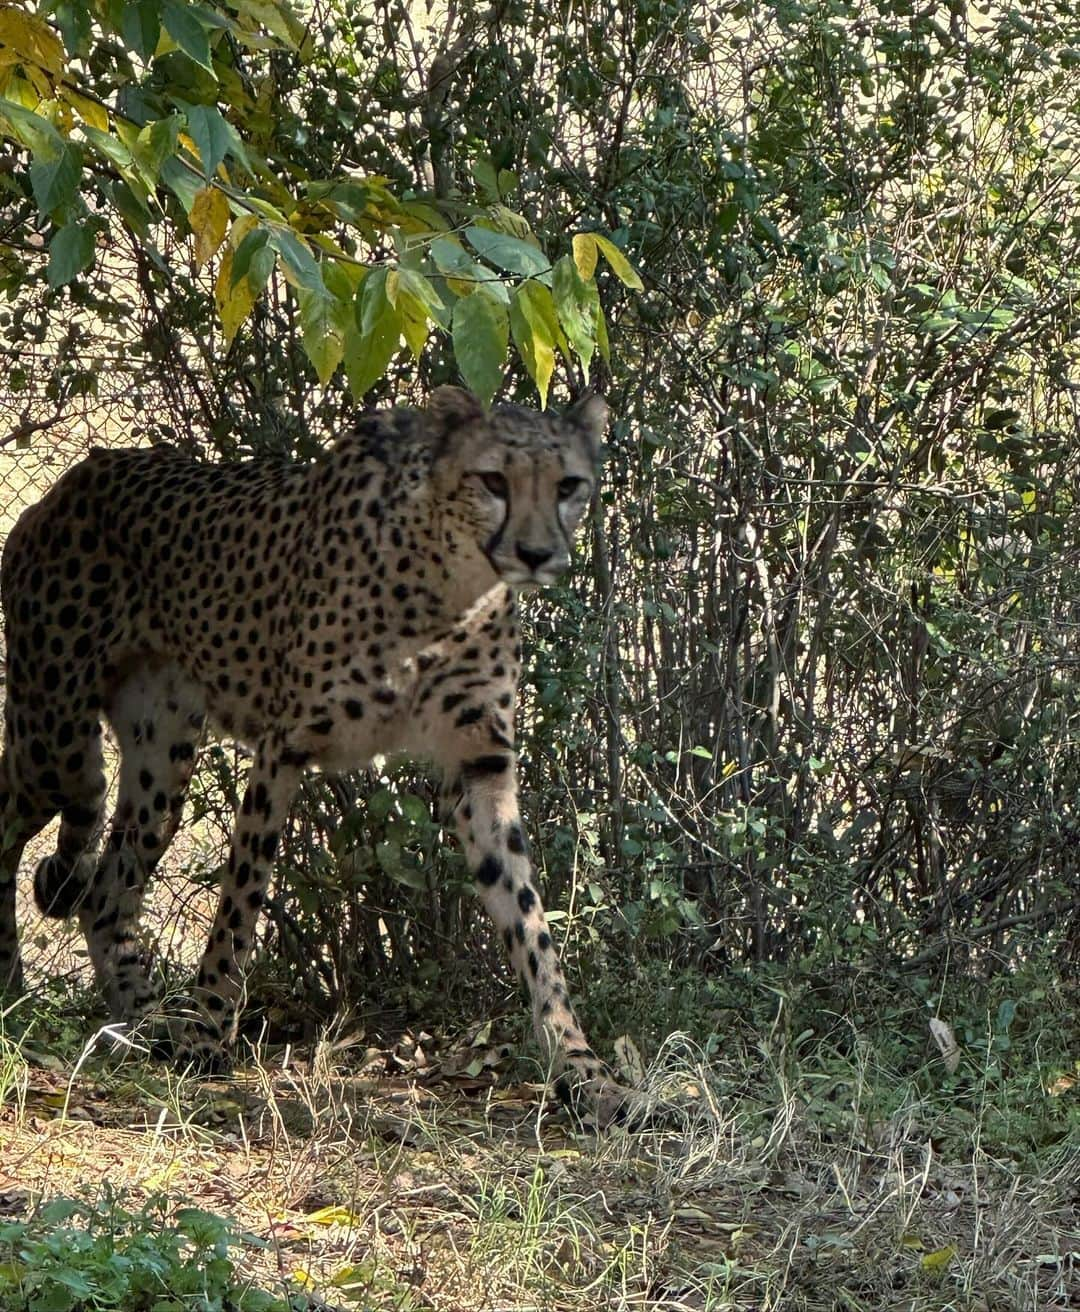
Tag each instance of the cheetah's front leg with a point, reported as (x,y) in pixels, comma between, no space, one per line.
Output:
(489,826)
(219,985)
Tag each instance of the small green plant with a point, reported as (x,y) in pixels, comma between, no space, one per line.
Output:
(72,1255)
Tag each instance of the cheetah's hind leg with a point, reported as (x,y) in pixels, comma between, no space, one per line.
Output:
(23,813)
(157,714)
(62,879)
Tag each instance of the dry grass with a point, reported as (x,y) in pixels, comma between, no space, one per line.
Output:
(444,1194)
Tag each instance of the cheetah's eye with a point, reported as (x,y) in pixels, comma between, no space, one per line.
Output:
(568,486)
(496,484)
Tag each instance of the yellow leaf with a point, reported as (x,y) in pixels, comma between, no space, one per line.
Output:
(354,1277)
(233,303)
(334,1215)
(43,86)
(506,220)
(157,1180)
(939,1259)
(32,40)
(209,218)
(414,324)
(88,110)
(620,265)
(585,255)
(534,326)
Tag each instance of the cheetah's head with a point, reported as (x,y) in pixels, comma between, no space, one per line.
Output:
(515,481)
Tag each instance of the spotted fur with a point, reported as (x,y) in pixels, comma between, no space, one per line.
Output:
(323,613)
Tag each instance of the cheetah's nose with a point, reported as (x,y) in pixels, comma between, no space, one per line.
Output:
(534,557)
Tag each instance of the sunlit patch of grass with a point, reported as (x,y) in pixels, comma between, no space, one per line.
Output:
(14,1072)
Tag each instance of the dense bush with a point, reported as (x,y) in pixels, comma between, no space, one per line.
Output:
(812,690)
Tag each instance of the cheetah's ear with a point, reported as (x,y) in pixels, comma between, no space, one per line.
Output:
(452,407)
(590,414)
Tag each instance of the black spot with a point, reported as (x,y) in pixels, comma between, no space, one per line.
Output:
(354,709)
(451,700)
(480,766)
(515,840)
(489,871)
(469,716)
(526,899)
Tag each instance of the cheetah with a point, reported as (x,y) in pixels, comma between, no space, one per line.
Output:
(364,604)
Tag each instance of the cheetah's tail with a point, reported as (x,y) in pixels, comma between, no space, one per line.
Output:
(60,886)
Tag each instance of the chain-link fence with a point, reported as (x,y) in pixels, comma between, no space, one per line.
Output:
(55,405)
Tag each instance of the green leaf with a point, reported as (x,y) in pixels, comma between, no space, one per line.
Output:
(106,144)
(534,325)
(254,241)
(463,271)
(37,134)
(481,332)
(140,26)
(509,253)
(181,181)
(183,25)
(415,809)
(211,135)
(262,265)
(301,267)
(486,179)
(56,181)
(324,322)
(130,205)
(276,17)
(372,341)
(418,286)
(154,144)
(70,252)
(577,302)
(73,19)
